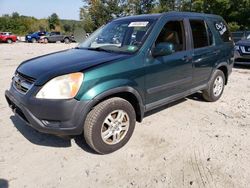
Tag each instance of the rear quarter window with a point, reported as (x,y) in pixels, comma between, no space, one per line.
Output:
(202,35)
(222,28)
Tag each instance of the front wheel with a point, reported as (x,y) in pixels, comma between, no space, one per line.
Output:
(9,41)
(33,40)
(109,125)
(46,40)
(215,87)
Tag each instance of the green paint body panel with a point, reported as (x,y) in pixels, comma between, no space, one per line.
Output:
(149,81)
(128,72)
(145,73)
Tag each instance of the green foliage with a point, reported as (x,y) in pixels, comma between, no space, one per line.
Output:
(53,21)
(69,26)
(18,24)
(21,25)
(95,13)
(134,7)
(233,26)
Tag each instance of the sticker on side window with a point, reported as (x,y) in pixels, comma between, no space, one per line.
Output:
(138,24)
(221,27)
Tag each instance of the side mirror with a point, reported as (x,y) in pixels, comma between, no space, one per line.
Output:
(162,49)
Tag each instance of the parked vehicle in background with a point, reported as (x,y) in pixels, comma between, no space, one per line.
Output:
(7,37)
(242,51)
(239,35)
(35,37)
(55,37)
(101,88)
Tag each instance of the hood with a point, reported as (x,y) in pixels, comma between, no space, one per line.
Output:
(244,42)
(44,68)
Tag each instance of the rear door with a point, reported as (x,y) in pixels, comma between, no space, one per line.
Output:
(53,36)
(59,36)
(205,51)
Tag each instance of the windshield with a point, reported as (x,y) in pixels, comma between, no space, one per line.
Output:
(119,36)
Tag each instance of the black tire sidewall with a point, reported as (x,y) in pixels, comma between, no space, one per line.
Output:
(98,143)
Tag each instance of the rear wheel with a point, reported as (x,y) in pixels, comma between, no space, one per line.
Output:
(109,125)
(215,88)
(66,41)
(9,41)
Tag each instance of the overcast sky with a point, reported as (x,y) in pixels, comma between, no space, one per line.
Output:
(65,9)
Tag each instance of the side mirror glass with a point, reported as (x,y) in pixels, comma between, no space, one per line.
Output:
(163,49)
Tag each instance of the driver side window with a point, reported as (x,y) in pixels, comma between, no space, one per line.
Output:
(173,33)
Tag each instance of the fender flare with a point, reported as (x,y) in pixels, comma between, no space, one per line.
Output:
(217,66)
(118,90)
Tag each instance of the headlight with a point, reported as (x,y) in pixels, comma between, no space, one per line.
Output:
(61,87)
(236,47)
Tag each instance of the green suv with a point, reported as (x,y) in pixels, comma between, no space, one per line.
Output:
(128,67)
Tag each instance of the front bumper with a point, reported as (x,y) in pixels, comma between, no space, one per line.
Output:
(59,117)
(241,59)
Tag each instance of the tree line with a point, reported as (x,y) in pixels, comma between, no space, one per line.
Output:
(21,25)
(95,13)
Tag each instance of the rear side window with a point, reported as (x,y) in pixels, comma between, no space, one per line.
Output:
(223,30)
(202,35)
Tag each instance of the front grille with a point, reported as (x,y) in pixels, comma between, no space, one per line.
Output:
(242,60)
(22,83)
(245,49)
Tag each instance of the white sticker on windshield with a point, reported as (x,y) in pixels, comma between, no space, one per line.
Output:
(138,24)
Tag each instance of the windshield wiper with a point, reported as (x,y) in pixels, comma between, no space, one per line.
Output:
(101,49)
(95,49)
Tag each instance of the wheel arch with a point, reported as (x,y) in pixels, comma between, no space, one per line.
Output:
(224,68)
(66,38)
(126,92)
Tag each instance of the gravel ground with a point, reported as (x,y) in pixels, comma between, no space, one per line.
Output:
(190,143)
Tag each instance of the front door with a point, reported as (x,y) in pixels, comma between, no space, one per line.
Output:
(169,75)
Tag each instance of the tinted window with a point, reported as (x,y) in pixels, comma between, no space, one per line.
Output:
(223,31)
(200,34)
(173,32)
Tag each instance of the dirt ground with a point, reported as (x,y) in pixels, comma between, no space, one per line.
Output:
(190,143)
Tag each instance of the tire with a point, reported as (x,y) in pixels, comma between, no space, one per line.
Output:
(46,40)
(9,41)
(66,41)
(108,111)
(215,87)
(33,40)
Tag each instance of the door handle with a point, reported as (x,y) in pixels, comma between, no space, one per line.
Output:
(216,52)
(187,58)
